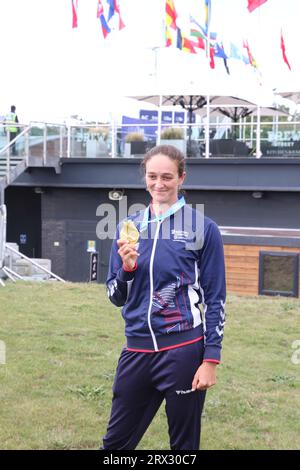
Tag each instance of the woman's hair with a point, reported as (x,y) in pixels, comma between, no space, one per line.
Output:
(169,151)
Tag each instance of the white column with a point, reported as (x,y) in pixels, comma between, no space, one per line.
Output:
(207,128)
(258,151)
(159,120)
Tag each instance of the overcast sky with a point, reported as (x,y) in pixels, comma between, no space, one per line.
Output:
(50,70)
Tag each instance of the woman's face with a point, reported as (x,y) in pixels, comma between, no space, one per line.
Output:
(162,179)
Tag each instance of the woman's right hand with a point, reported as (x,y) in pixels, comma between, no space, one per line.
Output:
(128,254)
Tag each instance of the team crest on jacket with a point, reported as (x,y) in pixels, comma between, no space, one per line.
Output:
(180,235)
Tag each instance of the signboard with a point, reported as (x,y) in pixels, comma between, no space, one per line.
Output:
(94,266)
(283,149)
(179,117)
(91,246)
(167,116)
(23,238)
(148,115)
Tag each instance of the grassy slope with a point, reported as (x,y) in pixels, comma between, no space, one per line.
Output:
(63,342)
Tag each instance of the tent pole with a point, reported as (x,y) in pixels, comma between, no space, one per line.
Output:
(159,120)
(258,148)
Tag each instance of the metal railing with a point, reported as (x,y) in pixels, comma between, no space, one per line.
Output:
(3,222)
(12,274)
(251,137)
(7,150)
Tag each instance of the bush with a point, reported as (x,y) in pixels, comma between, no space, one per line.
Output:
(134,137)
(96,133)
(172,133)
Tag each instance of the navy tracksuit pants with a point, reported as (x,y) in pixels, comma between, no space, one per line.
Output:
(142,382)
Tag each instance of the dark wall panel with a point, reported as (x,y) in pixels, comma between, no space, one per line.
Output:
(69,221)
(24,219)
(59,223)
(240,208)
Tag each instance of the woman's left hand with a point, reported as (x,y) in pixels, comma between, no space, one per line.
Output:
(205,377)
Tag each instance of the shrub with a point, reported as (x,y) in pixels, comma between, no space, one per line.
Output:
(134,137)
(96,133)
(171,133)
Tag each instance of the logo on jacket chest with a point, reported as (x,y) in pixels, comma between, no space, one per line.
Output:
(180,235)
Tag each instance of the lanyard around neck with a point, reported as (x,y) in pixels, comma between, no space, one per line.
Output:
(174,208)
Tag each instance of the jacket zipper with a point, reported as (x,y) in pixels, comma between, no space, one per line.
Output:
(152,286)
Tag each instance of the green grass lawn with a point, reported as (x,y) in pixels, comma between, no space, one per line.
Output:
(62,345)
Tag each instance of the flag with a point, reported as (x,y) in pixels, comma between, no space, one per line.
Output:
(283,51)
(179,39)
(226,66)
(203,42)
(115,8)
(253,4)
(184,43)
(171,14)
(207,6)
(100,14)
(74,13)
(197,34)
(198,39)
(187,45)
(219,52)
(252,61)
(111,12)
(235,52)
(169,39)
(212,57)
(212,36)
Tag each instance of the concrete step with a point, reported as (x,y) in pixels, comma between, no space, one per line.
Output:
(23,267)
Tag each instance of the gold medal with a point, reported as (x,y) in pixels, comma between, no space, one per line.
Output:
(129,232)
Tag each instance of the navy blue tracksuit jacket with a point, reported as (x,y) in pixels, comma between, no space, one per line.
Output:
(177,292)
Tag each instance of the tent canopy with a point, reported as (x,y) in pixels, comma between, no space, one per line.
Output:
(232,106)
(291,95)
(229,106)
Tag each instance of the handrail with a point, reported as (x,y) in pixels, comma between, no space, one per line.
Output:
(3,215)
(70,132)
(10,273)
(34,263)
(6,147)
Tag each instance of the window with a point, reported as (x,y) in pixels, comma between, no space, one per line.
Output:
(279,273)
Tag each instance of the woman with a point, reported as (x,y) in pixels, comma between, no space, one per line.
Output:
(173,347)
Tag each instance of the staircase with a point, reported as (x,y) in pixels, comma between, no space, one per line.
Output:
(12,166)
(13,264)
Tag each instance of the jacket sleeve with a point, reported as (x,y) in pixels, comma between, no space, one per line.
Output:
(213,290)
(118,281)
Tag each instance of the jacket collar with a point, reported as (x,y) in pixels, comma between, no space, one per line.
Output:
(147,214)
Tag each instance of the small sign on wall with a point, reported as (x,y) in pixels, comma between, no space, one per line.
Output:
(91,246)
(23,238)
(94,266)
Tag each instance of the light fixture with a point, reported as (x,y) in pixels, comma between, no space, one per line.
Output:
(257,194)
(116,194)
(39,190)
